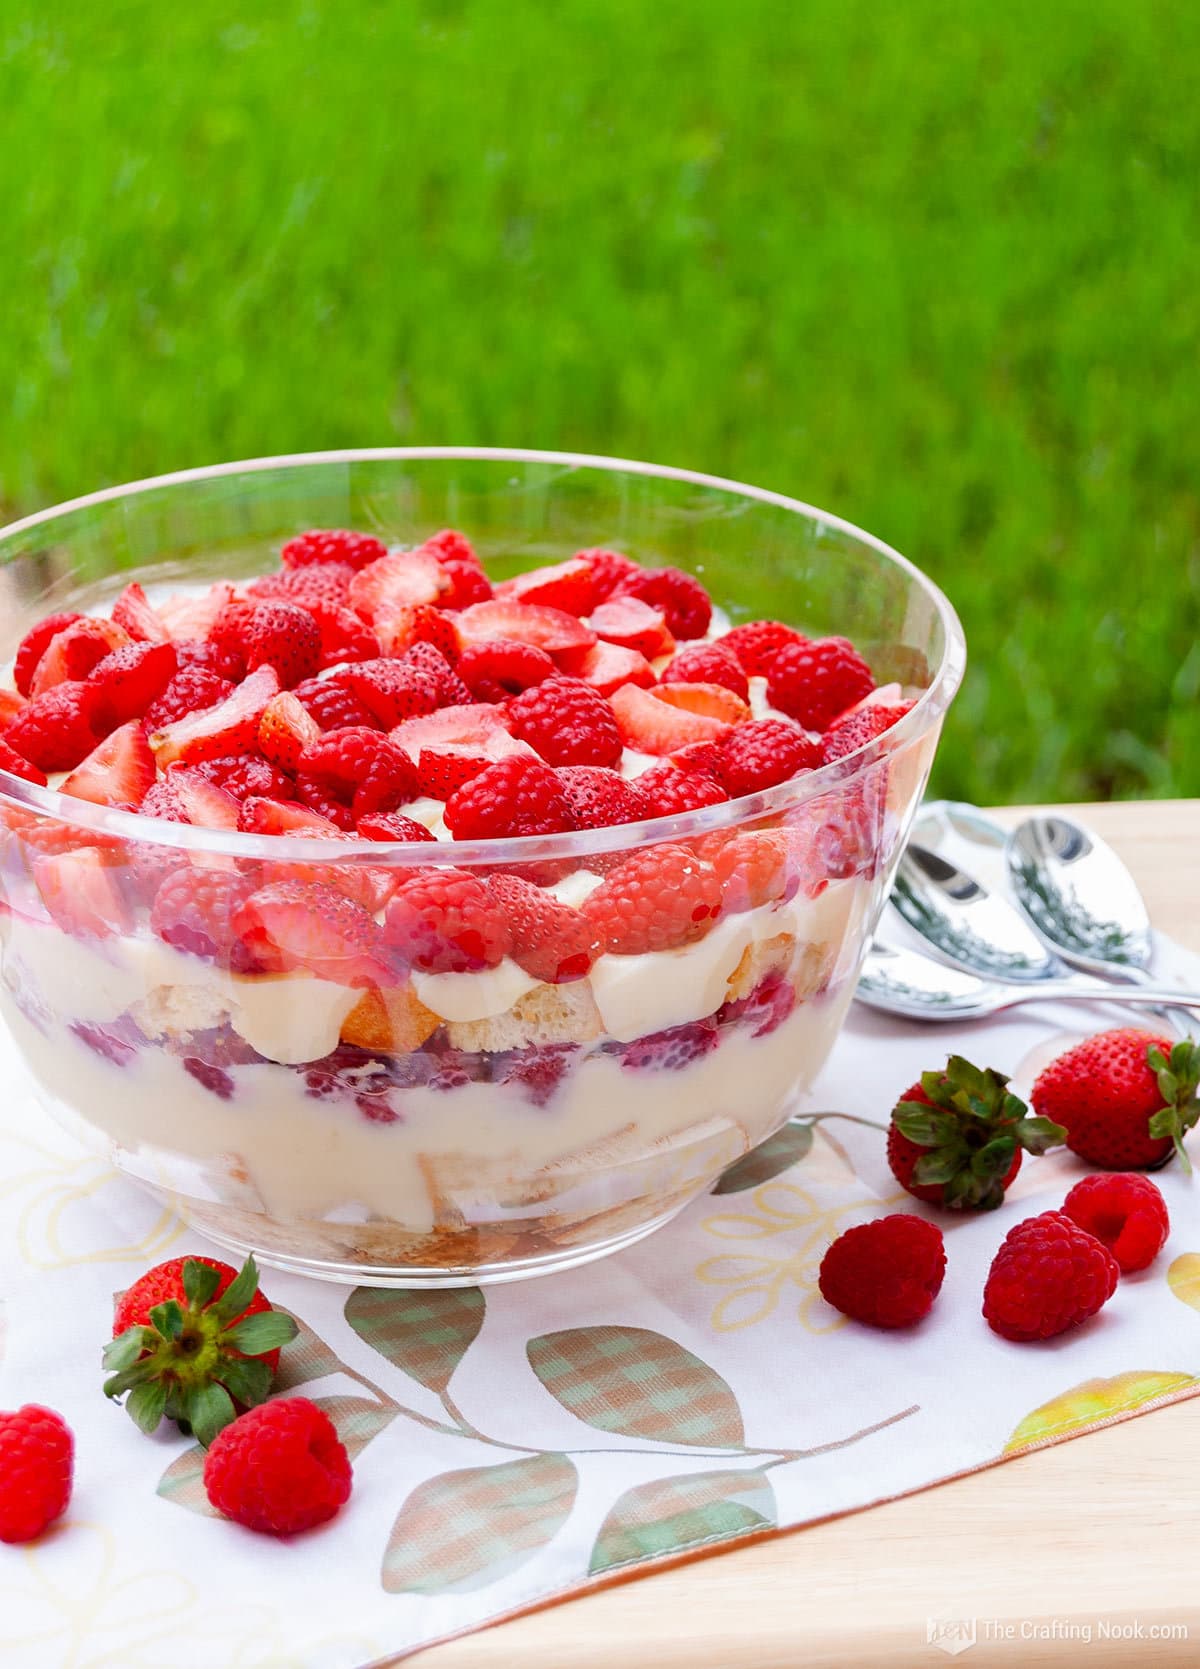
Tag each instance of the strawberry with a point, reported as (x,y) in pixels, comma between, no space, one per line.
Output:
(347,774)
(194,911)
(657,899)
(957,1137)
(262,816)
(285,730)
(391,691)
(606,666)
(118,772)
(551,629)
(1126,1098)
(632,624)
(515,796)
(315,927)
(187,617)
(392,826)
(550,941)
(708,663)
(194,689)
(281,635)
(332,704)
(453,745)
(682,600)
(502,667)
(651,725)
(230,727)
(73,652)
(712,701)
(323,582)
(81,893)
(445,921)
(194,1341)
(460,567)
(859,727)
(763,752)
(666,791)
(130,680)
(399,580)
(18,767)
(425,657)
(241,775)
(325,545)
(133,613)
(756,643)
(598,798)
(34,645)
(608,569)
(566,722)
(189,796)
(565,585)
(344,637)
(400,629)
(10,705)
(816,682)
(58,729)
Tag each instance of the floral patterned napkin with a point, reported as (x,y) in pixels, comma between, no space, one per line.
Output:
(517,1445)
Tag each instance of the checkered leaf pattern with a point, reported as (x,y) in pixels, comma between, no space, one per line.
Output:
(639,1383)
(426,1334)
(778,1153)
(673,1514)
(464,1530)
(307,1357)
(183,1483)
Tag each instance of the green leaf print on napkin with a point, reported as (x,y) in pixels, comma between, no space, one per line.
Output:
(307,1357)
(464,1530)
(778,1153)
(425,1334)
(639,1383)
(183,1483)
(671,1514)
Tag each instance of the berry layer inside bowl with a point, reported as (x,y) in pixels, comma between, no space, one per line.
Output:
(434,1064)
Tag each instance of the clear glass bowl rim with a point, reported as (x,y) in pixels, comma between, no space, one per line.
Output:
(130,826)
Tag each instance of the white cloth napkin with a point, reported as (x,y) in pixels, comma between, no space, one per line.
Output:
(513,1446)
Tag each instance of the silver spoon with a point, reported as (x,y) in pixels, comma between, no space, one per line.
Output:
(1081,898)
(971,927)
(905,982)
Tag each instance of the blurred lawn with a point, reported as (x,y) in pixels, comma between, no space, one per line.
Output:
(932,265)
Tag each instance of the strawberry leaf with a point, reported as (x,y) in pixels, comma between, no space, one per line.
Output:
(167,1319)
(258,1334)
(200,1281)
(123,1351)
(146,1405)
(238,1293)
(209,1409)
(247,1379)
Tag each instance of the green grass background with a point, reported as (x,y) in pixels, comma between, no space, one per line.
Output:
(933,264)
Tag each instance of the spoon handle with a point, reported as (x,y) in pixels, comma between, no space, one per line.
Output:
(1136,996)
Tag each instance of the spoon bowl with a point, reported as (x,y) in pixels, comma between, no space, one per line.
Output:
(972,928)
(1081,898)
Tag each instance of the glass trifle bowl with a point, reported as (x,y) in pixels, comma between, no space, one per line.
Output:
(348,1102)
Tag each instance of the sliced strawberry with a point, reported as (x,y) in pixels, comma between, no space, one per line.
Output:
(632,624)
(399,580)
(282,635)
(393,826)
(34,644)
(285,729)
(308,925)
(427,658)
(462,569)
(442,769)
(652,725)
(72,653)
(469,722)
(565,585)
(18,767)
(185,795)
(258,815)
(398,629)
(344,637)
(710,701)
(118,772)
(391,691)
(10,705)
(80,891)
(551,629)
(230,727)
(194,617)
(606,666)
(133,612)
(130,680)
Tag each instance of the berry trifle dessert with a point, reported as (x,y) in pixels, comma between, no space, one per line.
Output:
(461,928)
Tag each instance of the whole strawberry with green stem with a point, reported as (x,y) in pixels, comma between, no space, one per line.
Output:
(194,1341)
(957,1138)
(1126,1097)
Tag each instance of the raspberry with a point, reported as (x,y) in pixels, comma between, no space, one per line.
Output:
(192,690)
(1125,1211)
(392,691)
(425,656)
(708,663)
(757,642)
(756,868)
(351,773)
(344,637)
(324,582)
(655,900)
(34,645)
(280,634)
(1048,1275)
(129,680)
(549,940)
(537,1069)
(887,1272)
(684,602)
(567,722)
(213,657)
(55,731)
(814,682)
(859,728)
(665,790)
(37,1457)
(609,569)
(1124,1097)
(445,921)
(599,798)
(394,826)
(332,544)
(673,1049)
(769,1004)
(241,775)
(457,559)
(494,671)
(194,911)
(515,796)
(758,755)
(332,705)
(279,1468)
(10,761)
